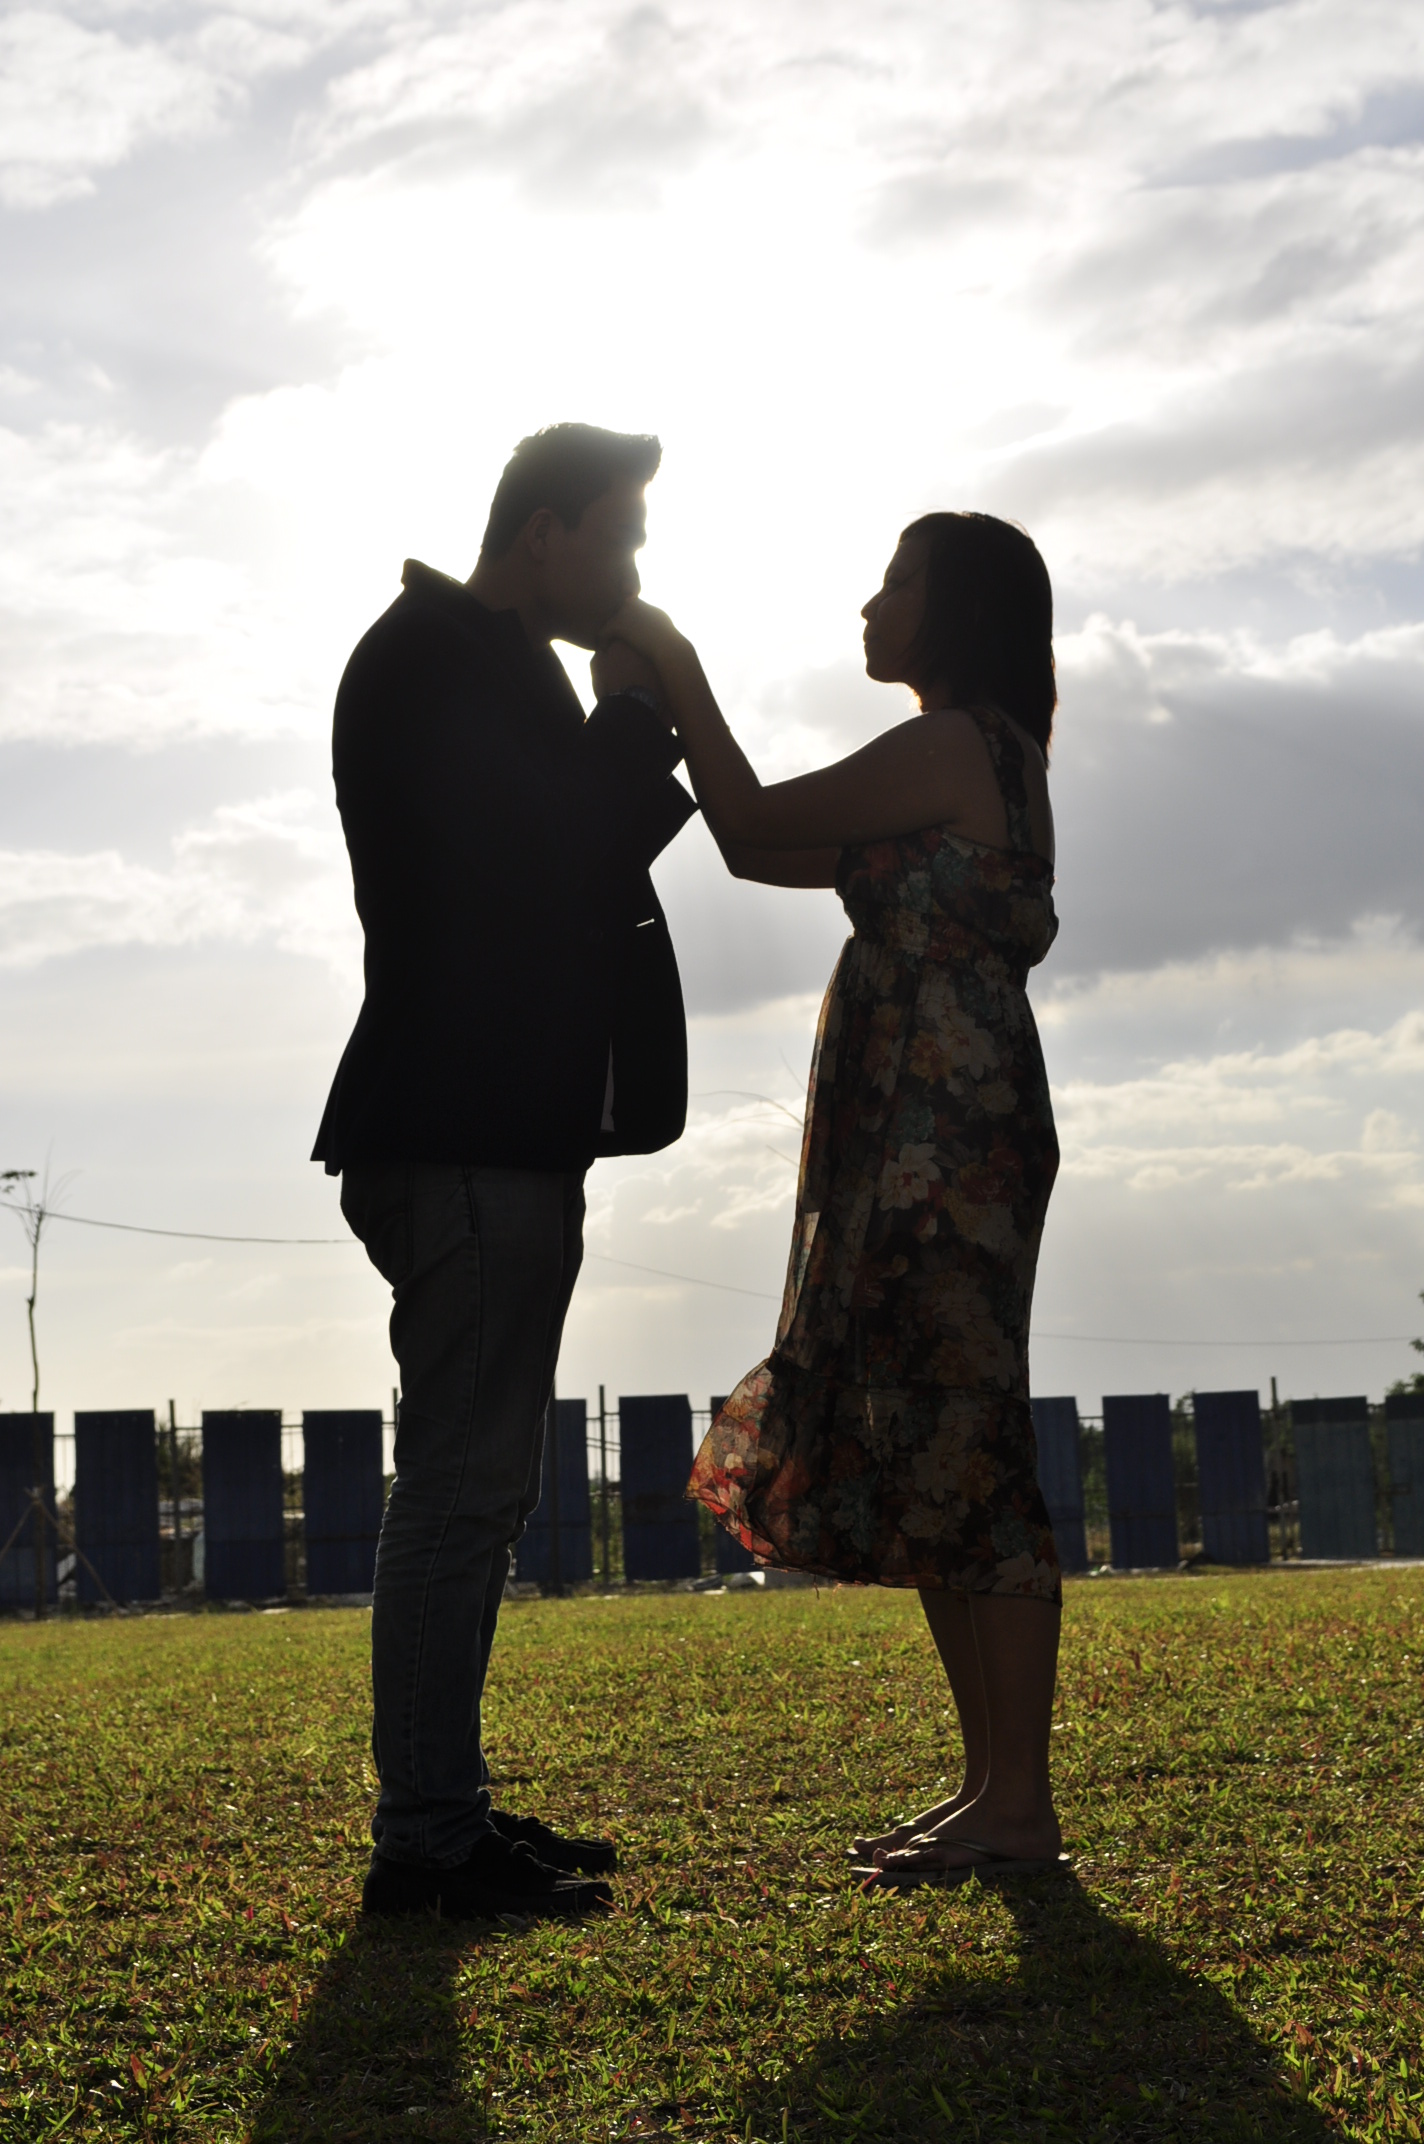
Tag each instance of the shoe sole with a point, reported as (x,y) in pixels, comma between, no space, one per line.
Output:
(571,1903)
(573,1908)
(584,1864)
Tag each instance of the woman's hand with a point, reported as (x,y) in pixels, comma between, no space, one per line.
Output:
(650,631)
(616,666)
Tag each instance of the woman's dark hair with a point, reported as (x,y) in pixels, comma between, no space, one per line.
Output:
(988,625)
(566,467)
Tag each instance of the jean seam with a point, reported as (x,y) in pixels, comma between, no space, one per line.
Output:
(472,1211)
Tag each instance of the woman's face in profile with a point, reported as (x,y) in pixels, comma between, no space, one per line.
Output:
(894,615)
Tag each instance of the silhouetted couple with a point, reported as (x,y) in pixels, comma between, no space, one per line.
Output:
(523,1016)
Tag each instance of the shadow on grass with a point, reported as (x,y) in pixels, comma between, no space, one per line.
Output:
(1092,2033)
(376,2051)
(1097,2035)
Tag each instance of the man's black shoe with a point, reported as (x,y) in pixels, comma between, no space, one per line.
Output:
(596,1857)
(495,1877)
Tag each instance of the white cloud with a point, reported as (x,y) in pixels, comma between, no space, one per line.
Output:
(74,101)
(774,323)
(77,100)
(1216,788)
(1241,1159)
(272,869)
(585,106)
(1242,1167)
(1272,456)
(1168,1129)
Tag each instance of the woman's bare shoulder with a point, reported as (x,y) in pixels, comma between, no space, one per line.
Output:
(961,747)
(942,737)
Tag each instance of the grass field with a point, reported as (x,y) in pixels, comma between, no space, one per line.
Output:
(1238,1764)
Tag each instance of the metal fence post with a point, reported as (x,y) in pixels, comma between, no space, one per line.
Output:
(551,1465)
(41,1515)
(173,1492)
(603,1479)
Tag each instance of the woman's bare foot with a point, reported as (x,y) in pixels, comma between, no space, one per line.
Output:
(886,1842)
(945,1845)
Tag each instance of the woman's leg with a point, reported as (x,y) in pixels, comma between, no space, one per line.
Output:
(1017,1646)
(952,1628)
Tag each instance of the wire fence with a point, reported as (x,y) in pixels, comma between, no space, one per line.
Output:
(1282,1503)
(605,1473)
(180,1519)
(181,1511)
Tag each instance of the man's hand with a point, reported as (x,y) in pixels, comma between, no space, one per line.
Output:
(616,666)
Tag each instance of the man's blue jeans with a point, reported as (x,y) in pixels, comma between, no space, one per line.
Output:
(482,1263)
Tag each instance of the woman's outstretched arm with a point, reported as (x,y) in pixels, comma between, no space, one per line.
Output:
(930,770)
(780,867)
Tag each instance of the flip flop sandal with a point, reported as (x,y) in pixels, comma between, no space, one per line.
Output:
(994,1868)
(990,1868)
(878,1879)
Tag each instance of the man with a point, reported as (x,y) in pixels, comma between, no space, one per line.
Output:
(522,1015)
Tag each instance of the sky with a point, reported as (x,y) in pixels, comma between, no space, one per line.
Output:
(283,284)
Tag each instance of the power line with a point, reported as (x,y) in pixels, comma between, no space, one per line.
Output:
(205,1235)
(189,1235)
(1135,1340)
(694,1278)
(760,1295)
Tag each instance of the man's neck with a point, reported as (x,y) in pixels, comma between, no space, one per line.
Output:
(499,585)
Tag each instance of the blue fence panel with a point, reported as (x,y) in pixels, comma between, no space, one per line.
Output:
(1060,1476)
(116,1504)
(557,1549)
(343,1496)
(1335,1478)
(243,1544)
(17,1475)
(1142,1490)
(660,1538)
(1404,1414)
(1231,1477)
(730,1554)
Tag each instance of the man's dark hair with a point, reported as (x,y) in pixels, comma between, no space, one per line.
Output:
(988,625)
(564,467)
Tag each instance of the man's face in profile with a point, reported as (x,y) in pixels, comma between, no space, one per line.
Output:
(591,571)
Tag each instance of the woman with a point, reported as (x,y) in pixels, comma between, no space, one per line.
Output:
(889,1438)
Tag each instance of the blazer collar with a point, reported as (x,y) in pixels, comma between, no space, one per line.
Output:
(535,673)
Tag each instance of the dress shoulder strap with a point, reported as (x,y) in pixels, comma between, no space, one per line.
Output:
(1005,748)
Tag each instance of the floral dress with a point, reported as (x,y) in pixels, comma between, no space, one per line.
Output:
(889,1436)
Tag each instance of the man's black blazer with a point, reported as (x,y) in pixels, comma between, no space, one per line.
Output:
(500,846)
